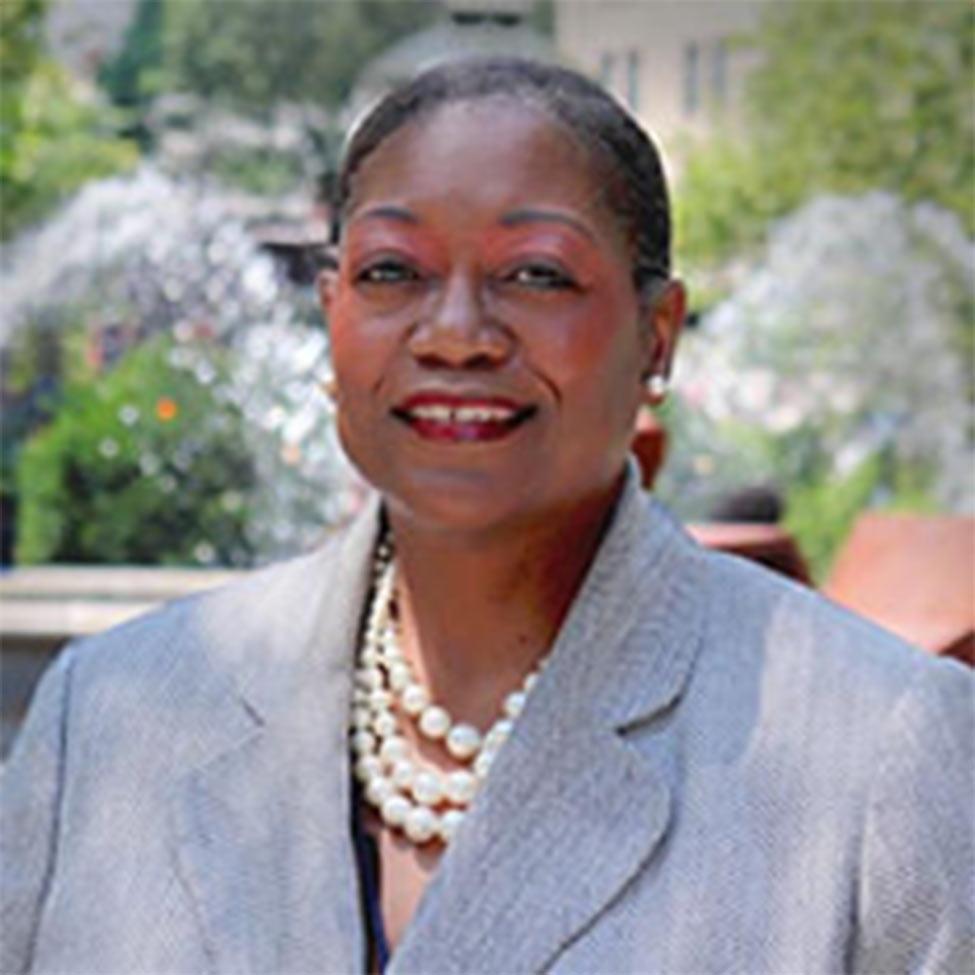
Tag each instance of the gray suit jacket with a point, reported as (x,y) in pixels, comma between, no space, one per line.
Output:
(718,772)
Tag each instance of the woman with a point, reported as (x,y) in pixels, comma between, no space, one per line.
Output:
(579,743)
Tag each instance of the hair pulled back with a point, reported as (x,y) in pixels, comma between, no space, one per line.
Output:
(625,157)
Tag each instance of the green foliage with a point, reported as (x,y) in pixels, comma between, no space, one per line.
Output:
(142,465)
(846,97)
(261,171)
(134,75)
(21,32)
(820,512)
(723,202)
(250,54)
(34,363)
(541,17)
(51,138)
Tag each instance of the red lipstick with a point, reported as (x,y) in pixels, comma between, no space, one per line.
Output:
(448,417)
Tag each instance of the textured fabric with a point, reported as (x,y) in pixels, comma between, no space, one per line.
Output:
(718,772)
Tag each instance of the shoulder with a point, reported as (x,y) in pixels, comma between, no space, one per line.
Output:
(787,680)
(198,633)
(839,747)
(757,629)
(756,618)
(178,680)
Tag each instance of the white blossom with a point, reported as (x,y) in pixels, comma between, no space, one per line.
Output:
(159,254)
(849,334)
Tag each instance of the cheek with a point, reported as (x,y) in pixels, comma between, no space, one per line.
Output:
(359,348)
(597,348)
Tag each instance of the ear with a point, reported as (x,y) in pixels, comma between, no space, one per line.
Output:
(326,282)
(664,319)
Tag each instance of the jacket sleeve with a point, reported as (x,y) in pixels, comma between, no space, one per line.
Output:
(917,885)
(31,786)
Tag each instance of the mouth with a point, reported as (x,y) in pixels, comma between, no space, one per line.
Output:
(448,418)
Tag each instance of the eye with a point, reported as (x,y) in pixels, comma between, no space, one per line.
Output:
(387,270)
(541,277)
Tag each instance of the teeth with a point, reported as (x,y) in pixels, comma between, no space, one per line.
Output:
(462,414)
(441,414)
(482,414)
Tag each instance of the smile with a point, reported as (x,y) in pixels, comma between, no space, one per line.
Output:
(450,419)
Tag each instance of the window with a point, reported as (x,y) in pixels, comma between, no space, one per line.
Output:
(692,80)
(719,73)
(633,80)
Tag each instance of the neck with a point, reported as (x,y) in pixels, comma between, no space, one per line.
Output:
(480,609)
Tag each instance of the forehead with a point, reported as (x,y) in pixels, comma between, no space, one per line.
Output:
(492,151)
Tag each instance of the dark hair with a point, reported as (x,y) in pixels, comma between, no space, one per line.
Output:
(635,186)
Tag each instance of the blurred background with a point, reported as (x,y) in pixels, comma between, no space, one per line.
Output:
(166,170)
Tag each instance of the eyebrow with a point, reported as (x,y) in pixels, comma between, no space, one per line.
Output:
(387,211)
(528,215)
(515,218)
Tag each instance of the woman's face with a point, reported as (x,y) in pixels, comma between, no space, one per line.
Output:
(488,343)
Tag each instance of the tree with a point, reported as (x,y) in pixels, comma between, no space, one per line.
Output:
(142,465)
(52,137)
(833,368)
(134,75)
(251,53)
(847,97)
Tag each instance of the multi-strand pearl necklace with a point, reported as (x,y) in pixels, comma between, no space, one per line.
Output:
(421,801)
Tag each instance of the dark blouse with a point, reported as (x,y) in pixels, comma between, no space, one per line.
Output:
(367,857)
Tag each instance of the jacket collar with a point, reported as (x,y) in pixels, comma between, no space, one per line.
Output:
(263,824)
(572,811)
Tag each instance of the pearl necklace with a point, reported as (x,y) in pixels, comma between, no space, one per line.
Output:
(417,799)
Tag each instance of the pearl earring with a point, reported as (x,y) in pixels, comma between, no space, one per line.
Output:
(329,386)
(657,386)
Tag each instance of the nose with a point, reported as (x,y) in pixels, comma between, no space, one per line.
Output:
(457,331)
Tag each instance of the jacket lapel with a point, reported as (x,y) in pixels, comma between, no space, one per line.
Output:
(572,810)
(261,825)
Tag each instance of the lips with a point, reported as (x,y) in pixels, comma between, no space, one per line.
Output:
(453,418)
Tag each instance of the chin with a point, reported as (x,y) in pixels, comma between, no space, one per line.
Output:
(457,500)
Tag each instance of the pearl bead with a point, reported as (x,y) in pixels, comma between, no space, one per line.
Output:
(379,789)
(463,741)
(369,657)
(402,774)
(399,676)
(414,698)
(427,788)
(449,823)
(391,651)
(513,703)
(369,678)
(421,824)
(393,749)
(395,809)
(363,742)
(498,734)
(434,721)
(383,763)
(384,724)
(361,718)
(367,767)
(460,787)
(482,764)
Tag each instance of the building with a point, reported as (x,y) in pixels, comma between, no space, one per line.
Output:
(678,65)
(467,28)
